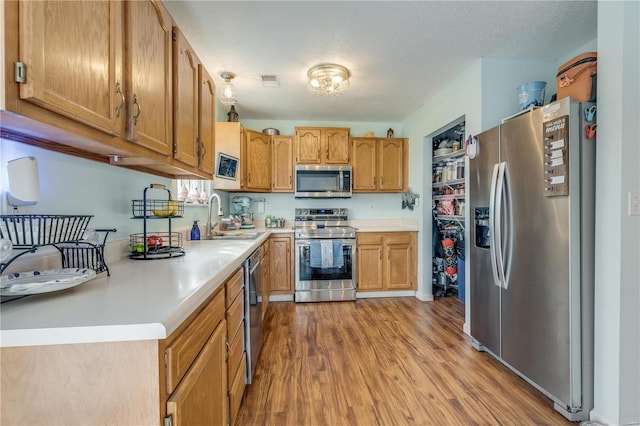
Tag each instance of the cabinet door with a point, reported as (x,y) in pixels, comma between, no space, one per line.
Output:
(370,267)
(257,161)
(206,121)
(336,146)
(73,55)
(308,146)
(201,397)
(391,164)
(281,274)
(185,100)
(148,64)
(399,265)
(364,165)
(282,164)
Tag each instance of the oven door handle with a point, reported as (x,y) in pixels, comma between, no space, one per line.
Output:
(307,243)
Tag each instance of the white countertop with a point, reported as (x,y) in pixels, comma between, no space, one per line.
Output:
(141,300)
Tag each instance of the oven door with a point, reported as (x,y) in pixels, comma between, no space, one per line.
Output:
(340,278)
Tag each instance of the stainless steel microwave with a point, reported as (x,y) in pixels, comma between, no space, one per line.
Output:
(322,181)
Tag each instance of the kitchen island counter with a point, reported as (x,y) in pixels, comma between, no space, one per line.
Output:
(141,300)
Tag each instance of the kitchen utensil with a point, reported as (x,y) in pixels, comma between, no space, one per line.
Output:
(589,113)
(271,131)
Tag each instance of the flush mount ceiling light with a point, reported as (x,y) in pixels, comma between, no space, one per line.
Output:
(328,79)
(227,91)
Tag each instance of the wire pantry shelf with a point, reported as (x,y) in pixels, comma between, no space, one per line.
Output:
(26,231)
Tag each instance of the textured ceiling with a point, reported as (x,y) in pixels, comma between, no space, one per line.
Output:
(399,52)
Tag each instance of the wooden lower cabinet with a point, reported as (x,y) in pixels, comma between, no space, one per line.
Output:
(386,261)
(237,358)
(200,399)
(281,264)
(266,276)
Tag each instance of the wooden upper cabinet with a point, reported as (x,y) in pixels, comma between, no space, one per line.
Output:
(336,145)
(207,121)
(282,147)
(72,52)
(308,146)
(148,69)
(256,162)
(322,145)
(392,163)
(380,165)
(185,100)
(364,164)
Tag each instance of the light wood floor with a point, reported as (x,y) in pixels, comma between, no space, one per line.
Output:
(396,361)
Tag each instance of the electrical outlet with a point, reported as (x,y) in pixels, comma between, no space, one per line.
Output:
(261,207)
(634,204)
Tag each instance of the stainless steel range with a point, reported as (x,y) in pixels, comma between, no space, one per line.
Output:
(325,255)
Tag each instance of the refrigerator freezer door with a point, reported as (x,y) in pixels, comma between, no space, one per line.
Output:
(536,305)
(484,294)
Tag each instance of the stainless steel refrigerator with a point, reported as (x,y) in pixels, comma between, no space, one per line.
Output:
(531,195)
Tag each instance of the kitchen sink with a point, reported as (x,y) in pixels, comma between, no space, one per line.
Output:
(235,235)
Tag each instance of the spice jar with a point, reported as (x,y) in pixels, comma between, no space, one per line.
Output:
(437,175)
(460,168)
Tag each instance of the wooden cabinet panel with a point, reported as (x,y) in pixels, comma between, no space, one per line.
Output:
(233,286)
(364,165)
(148,76)
(370,267)
(70,70)
(380,165)
(236,352)
(392,164)
(308,146)
(337,148)
(236,392)
(322,145)
(206,121)
(201,399)
(386,261)
(266,276)
(281,281)
(182,350)
(256,161)
(235,315)
(185,100)
(282,147)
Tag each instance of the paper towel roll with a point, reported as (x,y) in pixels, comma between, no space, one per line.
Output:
(24,182)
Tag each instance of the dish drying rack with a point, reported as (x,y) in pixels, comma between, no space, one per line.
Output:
(165,244)
(28,233)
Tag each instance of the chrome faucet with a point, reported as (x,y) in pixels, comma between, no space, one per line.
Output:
(209,228)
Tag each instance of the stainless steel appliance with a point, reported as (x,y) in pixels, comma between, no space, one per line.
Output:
(532,204)
(322,181)
(253,311)
(315,281)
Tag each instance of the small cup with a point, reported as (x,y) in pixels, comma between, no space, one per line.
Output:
(590,130)
(589,113)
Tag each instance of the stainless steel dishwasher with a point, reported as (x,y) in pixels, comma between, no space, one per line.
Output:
(253,310)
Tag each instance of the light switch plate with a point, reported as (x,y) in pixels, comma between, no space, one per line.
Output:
(634,204)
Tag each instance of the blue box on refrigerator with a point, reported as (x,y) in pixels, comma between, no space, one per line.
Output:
(531,94)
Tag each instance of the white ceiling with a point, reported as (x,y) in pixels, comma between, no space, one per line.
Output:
(399,52)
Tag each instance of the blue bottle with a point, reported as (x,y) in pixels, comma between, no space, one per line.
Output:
(195,231)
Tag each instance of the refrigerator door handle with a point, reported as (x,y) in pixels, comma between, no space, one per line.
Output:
(507,250)
(497,230)
(492,225)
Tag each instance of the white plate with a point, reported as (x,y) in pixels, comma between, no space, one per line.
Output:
(36,282)
(442,151)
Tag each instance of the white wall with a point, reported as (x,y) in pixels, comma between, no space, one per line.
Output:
(72,185)
(617,314)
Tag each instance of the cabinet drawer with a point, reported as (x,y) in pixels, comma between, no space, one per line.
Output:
(234,285)
(369,238)
(236,391)
(236,351)
(235,314)
(184,349)
(398,238)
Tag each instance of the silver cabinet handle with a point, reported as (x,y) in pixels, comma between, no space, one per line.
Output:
(135,117)
(121,104)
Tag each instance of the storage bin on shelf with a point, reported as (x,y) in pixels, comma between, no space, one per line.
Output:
(156,245)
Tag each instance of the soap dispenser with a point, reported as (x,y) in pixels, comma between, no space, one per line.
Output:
(195,231)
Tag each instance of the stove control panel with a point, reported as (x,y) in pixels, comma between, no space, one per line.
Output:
(322,214)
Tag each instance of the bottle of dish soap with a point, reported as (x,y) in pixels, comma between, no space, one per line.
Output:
(195,231)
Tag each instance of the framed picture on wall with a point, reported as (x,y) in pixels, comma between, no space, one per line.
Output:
(227,166)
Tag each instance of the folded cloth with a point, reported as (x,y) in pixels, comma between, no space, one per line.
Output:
(333,260)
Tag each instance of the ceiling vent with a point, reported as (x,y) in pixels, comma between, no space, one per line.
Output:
(269,80)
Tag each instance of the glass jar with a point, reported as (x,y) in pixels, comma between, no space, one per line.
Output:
(437,174)
(460,168)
